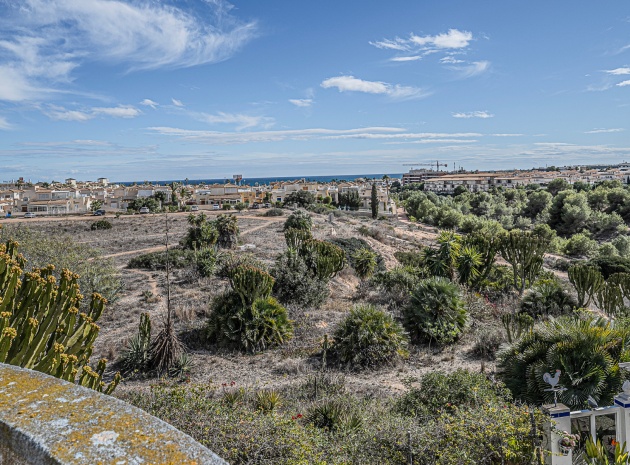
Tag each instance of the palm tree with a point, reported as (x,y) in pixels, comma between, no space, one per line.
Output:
(587,350)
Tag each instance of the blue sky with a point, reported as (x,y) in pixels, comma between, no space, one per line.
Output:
(135,90)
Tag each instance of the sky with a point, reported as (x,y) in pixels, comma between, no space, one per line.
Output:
(160,90)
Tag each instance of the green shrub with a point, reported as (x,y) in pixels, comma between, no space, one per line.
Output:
(295,284)
(101,225)
(334,415)
(177,258)
(351,244)
(547,298)
(205,262)
(435,311)
(608,266)
(274,212)
(364,263)
(201,233)
(580,245)
(253,328)
(369,338)
(415,259)
(397,283)
(299,219)
(487,342)
(438,392)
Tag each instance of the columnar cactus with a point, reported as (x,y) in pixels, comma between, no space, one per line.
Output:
(587,282)
(324,259)
(250,283)
(296,237)
(516,325)
(524,252)
(41,327)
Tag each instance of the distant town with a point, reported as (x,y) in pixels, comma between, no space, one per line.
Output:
(79,197)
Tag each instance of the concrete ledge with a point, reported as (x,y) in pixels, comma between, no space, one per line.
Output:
(44,420)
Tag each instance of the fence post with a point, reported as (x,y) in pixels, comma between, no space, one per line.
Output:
(623,426)
(558,419)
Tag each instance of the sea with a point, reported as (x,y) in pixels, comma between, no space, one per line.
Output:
(270,180)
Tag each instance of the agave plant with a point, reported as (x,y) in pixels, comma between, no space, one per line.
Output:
(586,350)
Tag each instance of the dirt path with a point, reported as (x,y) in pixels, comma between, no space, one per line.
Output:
(159,248)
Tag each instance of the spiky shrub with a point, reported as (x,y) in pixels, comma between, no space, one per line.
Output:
(323,258)
(435,311)
(253,328)
(138,351)
(587,281)
(299,219)
(227,229)
(369,338)
(586,349)
(40,324)
(334,415)
(296,284)
(547,298)
(268,400)
(364,262)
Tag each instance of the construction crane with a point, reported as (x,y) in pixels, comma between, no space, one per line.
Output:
(436,163)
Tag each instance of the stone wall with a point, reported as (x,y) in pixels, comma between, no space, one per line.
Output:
(44,420)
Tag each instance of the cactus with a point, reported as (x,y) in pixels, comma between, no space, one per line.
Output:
(516,325)
(296,237)
(609,298)
(324,259)
(524,252)
(587,282)
(250,283)
(623,281)
(41,327)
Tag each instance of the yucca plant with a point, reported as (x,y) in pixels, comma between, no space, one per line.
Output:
(138,351)
(435,311)
(227,229)
(369,337)
(334,415)
(586,349)
(268,400)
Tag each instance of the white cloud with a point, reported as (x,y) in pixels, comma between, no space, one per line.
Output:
(406,58)
(4,124)
(301,102)
(44,40)
(58,113)
(117,112)
(624,83)
(147,102)
(450,60)
(454,38)
(395,91)
(385,134)
(473,69)
(177,103)
(473,114)
(618,71)
(241,121)
(602,130)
